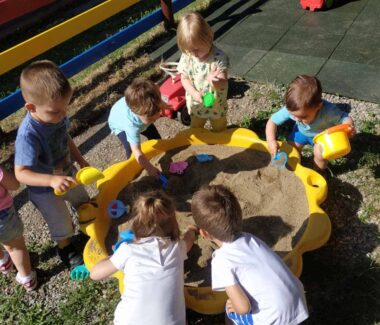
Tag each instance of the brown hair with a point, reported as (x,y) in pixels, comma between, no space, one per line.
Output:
(304,92)
(216,209)
(43,81)
(154,215)
(194,30)
(143,97)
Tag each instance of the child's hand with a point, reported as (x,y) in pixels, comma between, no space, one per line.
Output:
(61,183)
(273,147)
(352,131)
(153,171)
(214,75)
(198,97)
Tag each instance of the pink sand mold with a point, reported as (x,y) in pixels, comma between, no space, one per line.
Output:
(178,167)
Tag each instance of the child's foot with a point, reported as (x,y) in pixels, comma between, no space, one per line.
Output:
(6,264)
(69,256)
(29,282)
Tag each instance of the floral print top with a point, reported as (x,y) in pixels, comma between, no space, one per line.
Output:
(197,72)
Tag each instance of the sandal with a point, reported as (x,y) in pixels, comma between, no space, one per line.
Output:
(29,282)
(6,264)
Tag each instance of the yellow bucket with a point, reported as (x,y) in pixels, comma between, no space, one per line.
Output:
(334,141)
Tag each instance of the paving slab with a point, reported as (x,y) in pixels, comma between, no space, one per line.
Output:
(353,80)
(274,40)
(283,67)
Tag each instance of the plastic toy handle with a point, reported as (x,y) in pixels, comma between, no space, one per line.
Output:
(164,181)
(59,193)
(341,127)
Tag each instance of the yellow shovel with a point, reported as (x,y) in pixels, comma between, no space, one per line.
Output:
(85,176)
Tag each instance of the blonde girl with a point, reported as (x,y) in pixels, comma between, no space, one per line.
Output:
(203,68)
(152,265)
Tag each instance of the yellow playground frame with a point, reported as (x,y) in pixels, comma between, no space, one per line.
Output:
(95,221)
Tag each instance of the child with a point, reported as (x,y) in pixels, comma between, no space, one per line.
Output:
(11,229)
(203,68)
(260,287)
(152,265)
(312,115)
(45,150)
(135,113)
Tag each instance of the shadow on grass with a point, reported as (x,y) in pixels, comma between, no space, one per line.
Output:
(341,281)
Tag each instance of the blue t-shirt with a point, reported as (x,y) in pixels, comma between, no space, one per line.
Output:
(329,115)
(43,148)
(122,119)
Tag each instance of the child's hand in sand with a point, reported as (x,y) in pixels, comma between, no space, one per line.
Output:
(273,147)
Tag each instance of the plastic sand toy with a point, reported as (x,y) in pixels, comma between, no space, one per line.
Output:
(164,181)
(334,141)
(117,208)
(204,157)
(208,99)
(79,273)
(178,167)
(127,236)
(280,160)
(84,176)
(96,223)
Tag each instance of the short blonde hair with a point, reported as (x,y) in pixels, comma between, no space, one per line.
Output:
(43,81)
(154,215)
(194,30)
(304,92)
(143,97)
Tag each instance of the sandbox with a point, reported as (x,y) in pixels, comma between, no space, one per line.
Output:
(269,197)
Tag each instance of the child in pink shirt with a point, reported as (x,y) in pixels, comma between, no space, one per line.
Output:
(11,236)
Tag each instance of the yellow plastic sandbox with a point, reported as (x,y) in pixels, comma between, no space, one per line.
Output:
(96,223)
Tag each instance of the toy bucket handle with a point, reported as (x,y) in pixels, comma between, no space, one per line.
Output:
(341,127)
(171,68)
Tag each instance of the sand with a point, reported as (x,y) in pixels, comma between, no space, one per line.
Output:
(273,200)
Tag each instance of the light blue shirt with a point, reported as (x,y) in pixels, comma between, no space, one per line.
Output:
(122,119)
(328,116)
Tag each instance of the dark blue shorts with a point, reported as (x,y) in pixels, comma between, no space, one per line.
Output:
(297,137)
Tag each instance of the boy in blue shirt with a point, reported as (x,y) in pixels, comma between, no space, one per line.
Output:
(134,114)
(45,152)
(311,114)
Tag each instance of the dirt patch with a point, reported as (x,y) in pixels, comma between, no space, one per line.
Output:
(273,200)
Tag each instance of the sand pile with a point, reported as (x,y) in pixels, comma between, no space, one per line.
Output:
(273,200)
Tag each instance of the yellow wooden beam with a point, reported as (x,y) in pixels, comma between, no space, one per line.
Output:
(40,43)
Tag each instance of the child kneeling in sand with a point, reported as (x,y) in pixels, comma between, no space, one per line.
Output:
(312,115)
(260,287)
(152,265)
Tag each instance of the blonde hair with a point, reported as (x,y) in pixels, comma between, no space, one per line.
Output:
(193,30)
(143,97)
(154,215)
(216,209)
(304,92)
(43,81)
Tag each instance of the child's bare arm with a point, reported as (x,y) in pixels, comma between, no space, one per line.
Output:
(102,270)
(190,236)
(76,155)
(27,176)
(350,122)
(270,133)
(144,162)
(238,301)
(189,87)
(9,180)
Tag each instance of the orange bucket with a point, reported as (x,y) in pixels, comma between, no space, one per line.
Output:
(334,141)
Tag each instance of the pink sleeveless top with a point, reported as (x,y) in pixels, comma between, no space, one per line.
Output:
(5,199)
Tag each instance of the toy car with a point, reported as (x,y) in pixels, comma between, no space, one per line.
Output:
(316,4)
(173,94)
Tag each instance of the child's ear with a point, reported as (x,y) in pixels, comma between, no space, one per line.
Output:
(30,107)
(204,233)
